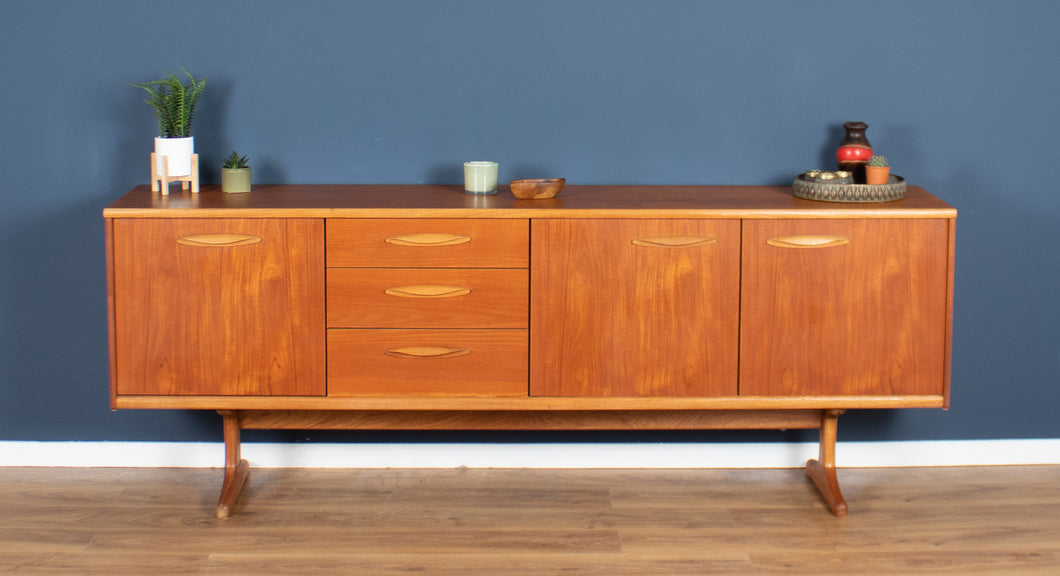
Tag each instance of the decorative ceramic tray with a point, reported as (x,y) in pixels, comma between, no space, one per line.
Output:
(894,189)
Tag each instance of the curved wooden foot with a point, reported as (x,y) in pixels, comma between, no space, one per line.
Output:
(233,485)
(236,469)
(822,471)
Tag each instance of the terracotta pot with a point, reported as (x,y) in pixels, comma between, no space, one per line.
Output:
(877,174)
(235,180)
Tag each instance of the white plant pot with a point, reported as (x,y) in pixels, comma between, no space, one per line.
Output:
(179,151)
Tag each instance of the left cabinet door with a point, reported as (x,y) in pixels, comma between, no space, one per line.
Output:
(218,307)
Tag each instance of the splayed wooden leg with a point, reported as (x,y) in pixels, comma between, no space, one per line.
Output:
(236,469)
(822,471)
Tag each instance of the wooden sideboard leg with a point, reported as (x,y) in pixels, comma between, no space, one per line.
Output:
(822,471)
(236,469)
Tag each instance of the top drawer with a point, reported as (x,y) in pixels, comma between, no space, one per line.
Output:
(427,243)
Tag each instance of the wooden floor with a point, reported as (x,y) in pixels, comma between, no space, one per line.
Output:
(157,522)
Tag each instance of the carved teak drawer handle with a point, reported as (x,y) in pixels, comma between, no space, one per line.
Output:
(428,239)
(427,352)
(427,291)
(675,241)
(818,241)
(221,240)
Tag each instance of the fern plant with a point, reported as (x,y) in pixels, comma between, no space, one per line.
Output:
(234,161)
(174,103)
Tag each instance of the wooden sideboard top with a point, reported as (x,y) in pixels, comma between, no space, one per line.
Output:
(449,201)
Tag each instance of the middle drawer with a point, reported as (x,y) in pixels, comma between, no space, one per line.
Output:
(427,298)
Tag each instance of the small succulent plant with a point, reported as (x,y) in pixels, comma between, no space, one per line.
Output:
(878,160)
(235,161)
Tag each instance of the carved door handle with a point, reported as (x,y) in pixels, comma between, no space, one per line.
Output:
(427,291)
(218,240)
(428,239)
(426,352)
(808,241)
(675,241)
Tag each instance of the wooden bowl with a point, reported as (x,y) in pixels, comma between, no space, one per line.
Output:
(537,188)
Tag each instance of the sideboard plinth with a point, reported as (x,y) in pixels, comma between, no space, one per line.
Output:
(822,471)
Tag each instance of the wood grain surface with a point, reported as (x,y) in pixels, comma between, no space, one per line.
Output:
(865,316)
(414,362)
(615,311)
(979,521)
(229,317)
(576,201)
(427,243)
(427,298)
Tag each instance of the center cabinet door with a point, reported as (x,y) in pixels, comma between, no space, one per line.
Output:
(634,307)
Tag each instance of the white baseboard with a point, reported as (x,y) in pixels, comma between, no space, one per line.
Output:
(564,455)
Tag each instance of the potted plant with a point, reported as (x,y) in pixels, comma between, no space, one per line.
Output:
(174,103)
(877,171)
(235,174)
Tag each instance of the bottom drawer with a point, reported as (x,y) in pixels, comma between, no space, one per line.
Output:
(427,362)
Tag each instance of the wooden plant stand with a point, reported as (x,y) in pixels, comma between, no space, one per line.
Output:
(160,180)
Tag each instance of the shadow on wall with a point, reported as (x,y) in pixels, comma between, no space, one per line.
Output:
(447,174)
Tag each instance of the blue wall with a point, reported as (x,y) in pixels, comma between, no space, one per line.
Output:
(960,95)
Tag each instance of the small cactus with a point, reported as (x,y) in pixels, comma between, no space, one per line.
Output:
(878,160)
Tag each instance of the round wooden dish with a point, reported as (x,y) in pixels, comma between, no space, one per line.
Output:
(894,189)
(537,188)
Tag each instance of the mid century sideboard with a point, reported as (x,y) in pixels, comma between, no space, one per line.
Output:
(605,308)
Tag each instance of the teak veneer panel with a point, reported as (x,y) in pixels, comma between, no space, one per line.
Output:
(428,243)
(427,298)
(427,362)
(395,201)
(868,317)
(197,311)
(516,403)
(635,307)
(532,419)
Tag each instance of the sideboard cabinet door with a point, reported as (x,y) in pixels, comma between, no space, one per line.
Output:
(844,307)
(634,307)
(219,306)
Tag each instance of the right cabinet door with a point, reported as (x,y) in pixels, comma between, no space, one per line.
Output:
(844,307)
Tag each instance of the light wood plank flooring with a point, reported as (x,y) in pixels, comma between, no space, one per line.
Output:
(966,521)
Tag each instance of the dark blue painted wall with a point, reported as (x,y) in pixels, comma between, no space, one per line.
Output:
(960,95)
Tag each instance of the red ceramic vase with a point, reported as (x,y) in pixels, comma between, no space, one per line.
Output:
(854,151)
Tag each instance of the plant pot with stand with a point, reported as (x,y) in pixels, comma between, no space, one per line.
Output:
(174,158)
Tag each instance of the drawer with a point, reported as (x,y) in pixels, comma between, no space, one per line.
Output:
(427,298)
(428,243)
(427,362)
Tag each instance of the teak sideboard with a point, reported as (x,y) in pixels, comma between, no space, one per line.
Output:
(605,308)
